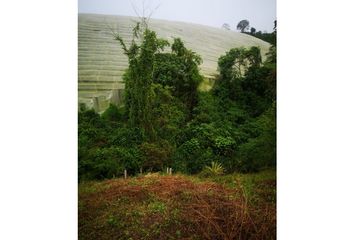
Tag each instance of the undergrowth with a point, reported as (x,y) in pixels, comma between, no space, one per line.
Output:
(237,206)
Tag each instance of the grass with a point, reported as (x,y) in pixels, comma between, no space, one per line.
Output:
(255,186)
(237,206)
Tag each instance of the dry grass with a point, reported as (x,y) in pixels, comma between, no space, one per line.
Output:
(172,207)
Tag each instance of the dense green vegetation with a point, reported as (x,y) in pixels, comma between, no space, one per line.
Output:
(267,37)
(167,122)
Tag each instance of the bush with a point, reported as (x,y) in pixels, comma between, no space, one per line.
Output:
(112,113)
(206,110)
(191,157)
(110,162)
(260,151)
(126,137)
(155,155)
(215,169)
(168,111)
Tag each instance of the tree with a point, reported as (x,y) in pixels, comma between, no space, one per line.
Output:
(243,25)
(244,80)
(180,71)
(138,77)
(253,30)
(226,26)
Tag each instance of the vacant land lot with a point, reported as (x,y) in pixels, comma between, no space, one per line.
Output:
(154,206)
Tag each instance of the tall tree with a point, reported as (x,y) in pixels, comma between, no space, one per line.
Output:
(139,76)
(180,71)
(232,67)
(253,30)
(243,25)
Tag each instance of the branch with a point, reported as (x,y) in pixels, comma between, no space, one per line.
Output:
(117,37)
(135,9)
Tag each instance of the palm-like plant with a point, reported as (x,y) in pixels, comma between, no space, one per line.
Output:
(214,170)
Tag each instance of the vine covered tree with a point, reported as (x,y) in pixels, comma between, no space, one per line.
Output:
(138,77)
(180,71)
(148,65)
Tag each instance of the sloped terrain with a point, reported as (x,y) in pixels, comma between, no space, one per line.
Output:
(239,206)
(101,61)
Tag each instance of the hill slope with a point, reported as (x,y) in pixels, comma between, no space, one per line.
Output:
(101,61)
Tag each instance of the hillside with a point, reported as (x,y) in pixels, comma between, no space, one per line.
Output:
(101,61)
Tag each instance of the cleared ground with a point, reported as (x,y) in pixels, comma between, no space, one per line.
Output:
(238,206)
(101,61)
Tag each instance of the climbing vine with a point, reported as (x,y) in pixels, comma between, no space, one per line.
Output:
(138,77)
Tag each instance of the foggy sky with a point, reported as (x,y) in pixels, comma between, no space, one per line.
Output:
(260,13)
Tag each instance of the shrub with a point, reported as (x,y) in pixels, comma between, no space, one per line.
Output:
(215,169)
(155,156)
(168,111)
(112,113)
(191,157)
(110,162)
(126,137)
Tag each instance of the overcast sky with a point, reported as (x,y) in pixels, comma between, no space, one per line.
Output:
(260,13)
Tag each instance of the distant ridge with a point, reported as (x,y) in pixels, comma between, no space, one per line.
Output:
(101,61)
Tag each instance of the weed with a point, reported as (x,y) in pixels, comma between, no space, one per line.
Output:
(134,182)
(157,207)
(112,221)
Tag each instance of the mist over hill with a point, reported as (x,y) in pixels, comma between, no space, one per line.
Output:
(101,62)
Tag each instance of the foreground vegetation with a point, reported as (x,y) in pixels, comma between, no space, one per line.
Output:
(157,206)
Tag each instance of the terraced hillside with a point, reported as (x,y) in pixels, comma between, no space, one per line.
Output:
(101,61)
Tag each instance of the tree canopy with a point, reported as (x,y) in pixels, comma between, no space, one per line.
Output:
(253,30)
(243,25)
